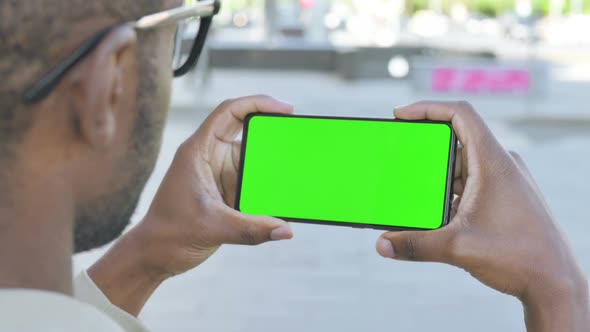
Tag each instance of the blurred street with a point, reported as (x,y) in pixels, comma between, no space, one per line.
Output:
(331,278)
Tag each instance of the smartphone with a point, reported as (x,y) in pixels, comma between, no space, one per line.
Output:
(359,172)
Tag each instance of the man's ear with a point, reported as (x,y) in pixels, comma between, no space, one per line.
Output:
(97,88)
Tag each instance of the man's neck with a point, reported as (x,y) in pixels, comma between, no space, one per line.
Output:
(35,234)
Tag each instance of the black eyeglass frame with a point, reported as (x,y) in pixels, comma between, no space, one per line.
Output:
(205,10)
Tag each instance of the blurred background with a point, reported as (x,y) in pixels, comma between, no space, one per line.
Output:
(525,66)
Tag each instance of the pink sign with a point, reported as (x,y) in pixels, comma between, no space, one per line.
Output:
(488,80)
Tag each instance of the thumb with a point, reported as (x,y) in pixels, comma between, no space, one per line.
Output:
(239,228)
(422,246)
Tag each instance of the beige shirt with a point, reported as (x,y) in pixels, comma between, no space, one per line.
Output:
(24,310)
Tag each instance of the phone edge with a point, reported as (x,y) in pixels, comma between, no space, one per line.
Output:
(448,188)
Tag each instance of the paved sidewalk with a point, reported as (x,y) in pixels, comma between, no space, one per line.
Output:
(331,279)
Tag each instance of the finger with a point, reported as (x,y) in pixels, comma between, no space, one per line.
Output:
(426,246)
(230,180)
(471,130)
(458,186)
(227,120)
(458,175)
(458,162)
(455,206)
(239,228)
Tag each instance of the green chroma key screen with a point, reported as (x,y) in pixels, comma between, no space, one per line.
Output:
(374,173)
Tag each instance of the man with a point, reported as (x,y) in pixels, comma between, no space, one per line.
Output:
(75,154)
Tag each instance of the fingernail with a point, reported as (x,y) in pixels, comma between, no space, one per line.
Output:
(385,248)
(281,233)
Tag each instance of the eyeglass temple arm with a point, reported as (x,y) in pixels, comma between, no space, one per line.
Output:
(52,78)
(196,49)
(205,8)
(198,44)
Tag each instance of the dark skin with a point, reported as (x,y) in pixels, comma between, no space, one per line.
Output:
(502,231)
(54,162)
(172,240)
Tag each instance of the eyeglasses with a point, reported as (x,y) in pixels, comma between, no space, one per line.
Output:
(187,30)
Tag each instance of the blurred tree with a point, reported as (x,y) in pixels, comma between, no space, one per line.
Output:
(487,7)
(436,5)
(412,6)
(576,6)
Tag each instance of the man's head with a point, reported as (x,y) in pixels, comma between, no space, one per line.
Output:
(97,134)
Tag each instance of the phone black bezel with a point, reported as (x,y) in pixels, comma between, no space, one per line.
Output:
(448,186)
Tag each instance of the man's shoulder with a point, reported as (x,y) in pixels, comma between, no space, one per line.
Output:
(33,310)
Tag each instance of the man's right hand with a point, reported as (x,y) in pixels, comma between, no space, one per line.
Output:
(502,231)
(192,214)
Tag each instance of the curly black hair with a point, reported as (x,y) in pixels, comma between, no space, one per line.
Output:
(31,32)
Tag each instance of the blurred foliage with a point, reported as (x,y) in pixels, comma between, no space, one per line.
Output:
(241,4)
(489,8)
(493,8)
